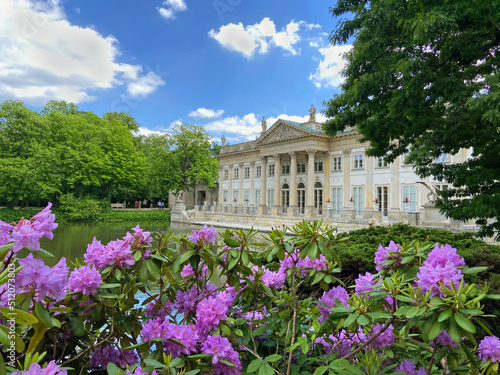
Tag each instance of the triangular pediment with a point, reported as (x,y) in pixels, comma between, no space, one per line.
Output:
(281,131)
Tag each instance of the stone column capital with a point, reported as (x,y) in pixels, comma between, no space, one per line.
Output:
(263,159)
(311,152)
(241,165)
(252,163)
(347,152)
(277,157)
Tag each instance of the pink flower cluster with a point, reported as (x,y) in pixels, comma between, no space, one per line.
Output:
(27,233)
(139,239)
(213,309)
(154,308)
(221,348)
(35,369)
(445,340)
(439,269)
(269,278)
(42,279)
(203,236)
(116,253)
(408,367)
(85,280)
(101,357)
(304,264)
(188,271)
(328,298)
(140,371)
(489,348)
(186,301)
(385,339)
(393,251)
(366,283)
(185,333)
(341,343)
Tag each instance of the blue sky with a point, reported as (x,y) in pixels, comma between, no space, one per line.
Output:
(220,64)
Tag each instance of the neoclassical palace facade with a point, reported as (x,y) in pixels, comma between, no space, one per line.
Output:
(295,169)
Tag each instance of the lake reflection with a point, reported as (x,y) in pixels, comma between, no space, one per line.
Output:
(71,239)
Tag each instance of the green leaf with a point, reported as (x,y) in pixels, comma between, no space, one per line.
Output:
(226,362)
(350,319)
(445,315)
(266,369)
(153,363)
(43,314)
(320,370)
(22,317)
(225,329)
(4,338)
(474,270)
(436,328)
(273,358)
(254,365)
(75,324)
(363,320)
(153,269)
(192,372)
(465,323)
(184,257)
(232,242)
(112,369)
(407,259)
(285,314)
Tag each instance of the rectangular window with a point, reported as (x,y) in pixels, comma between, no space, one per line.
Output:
(404,157)
(271,169)
(247,172)
(409,198)
(337,200)
(246,197)
(236,173)
(381,162)
(358,161)
(301,167)
(225,194)
(318,165)
(285,168)
(358,200)
(235,197)
(270,197)
(226,174)
(337,163)
(443,158)
(257,198)
(259,170)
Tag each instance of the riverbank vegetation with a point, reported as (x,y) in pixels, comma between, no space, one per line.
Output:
(62,153)
(280,310)
(107,214)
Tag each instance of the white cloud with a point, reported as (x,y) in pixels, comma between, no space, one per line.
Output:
(203,112)
(44,57)
(258,37)
(330,67)
(236,128)
(145,85)
(170,7)
(146,131)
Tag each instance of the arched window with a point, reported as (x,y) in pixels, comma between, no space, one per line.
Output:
(301,197)
(285,196)
(318,196)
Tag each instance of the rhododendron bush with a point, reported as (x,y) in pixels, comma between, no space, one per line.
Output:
(166,304)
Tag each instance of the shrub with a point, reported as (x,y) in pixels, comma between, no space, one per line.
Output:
(85,208)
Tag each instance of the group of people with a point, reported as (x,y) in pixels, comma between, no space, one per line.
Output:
(144,204)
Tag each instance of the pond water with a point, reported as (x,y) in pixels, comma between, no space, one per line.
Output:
(71,239)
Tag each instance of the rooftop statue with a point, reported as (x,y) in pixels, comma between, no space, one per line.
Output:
(312,114)
(264,124)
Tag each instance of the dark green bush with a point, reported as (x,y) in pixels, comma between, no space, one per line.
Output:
(85,208)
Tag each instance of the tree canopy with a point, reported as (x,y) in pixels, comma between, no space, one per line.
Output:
(422,77)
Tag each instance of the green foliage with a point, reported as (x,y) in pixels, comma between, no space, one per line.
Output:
(423,77)
(84,208)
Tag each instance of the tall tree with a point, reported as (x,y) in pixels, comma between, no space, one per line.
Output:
(422,76)
(190,160)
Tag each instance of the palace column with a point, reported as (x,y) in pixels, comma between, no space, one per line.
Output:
(221,190)
(293,184)
(277,173)
(240,194)
(326,185)
(396,199)
(346,210)
(252,185)
(230,192)
(310,183)
(263,188)
(370,193)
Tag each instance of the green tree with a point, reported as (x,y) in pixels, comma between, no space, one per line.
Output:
(422,77)
(124,118)
(28,164)
(190,159)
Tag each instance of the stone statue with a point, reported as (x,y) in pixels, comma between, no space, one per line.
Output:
(223,139)
(312,114)
(264,124)
(432,195)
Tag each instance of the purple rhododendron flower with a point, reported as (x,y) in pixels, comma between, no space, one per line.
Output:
(202,236)
(329,298)
(209,313)
(489,348)
(44,222)
(140,371)
(45,280)
(221,348)
(445,340)
(35,369)
(139,239)
(385,339)
(341,343)
(84,280)
(186,301)
(154,308)
(25,235)
(116,253)
(188,270)
(304,265)
(408,367)
(5,230)
(384,253)
(439,269)
(364,284)
(101,357)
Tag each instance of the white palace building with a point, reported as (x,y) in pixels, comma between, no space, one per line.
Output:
(294,171)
